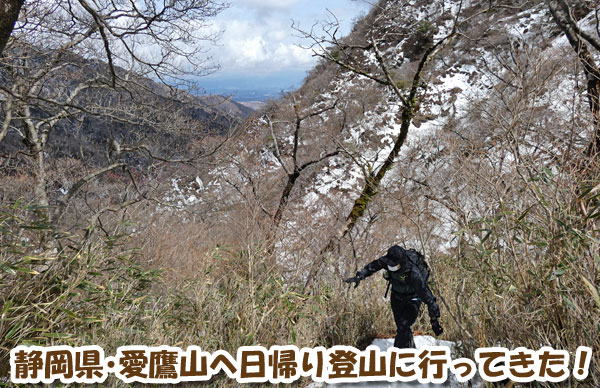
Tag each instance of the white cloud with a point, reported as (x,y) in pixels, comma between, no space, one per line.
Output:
(257,34)
(262,46)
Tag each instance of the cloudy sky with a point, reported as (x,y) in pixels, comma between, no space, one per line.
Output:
(259,48)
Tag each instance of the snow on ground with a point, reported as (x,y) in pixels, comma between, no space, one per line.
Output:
(386,343)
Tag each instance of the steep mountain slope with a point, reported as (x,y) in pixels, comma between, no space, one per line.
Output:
(511,51)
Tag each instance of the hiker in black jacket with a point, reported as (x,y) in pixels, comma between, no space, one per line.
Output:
(409,289)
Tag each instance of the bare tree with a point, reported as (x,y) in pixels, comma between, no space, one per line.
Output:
(74,63)
(344,54)
(293,172)
(373,58)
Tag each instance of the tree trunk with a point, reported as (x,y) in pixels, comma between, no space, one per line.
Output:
(374,181)
(561,14)
(284,198)
(36,146)
(9,12)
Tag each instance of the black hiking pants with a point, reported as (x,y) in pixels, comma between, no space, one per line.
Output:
(405,314)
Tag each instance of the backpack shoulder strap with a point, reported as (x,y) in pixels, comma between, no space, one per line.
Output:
(387,290)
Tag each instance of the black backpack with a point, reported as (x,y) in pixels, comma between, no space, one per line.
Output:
(419,262)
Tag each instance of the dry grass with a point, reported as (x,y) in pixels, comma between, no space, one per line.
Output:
(212,295)
(529,276)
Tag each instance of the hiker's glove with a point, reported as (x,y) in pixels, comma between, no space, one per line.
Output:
(356,280)
(360,275)
(437,327)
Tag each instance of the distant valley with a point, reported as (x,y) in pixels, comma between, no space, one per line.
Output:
(252,90)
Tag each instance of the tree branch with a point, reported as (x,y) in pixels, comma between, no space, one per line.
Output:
(308,164)
(77,186)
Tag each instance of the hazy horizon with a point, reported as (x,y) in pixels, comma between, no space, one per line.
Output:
(252,87)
